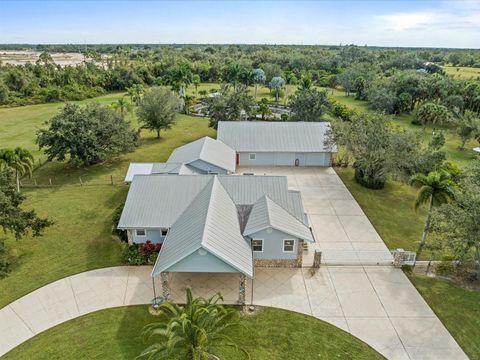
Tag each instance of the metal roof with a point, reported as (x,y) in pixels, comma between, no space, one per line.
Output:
(159,168)
(137,169)
(209,222)
(274,136)
(206,149)
(266,213)
(155,201)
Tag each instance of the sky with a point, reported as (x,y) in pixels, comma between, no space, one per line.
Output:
(448,23)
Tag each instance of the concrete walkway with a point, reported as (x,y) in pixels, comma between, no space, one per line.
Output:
(71,297)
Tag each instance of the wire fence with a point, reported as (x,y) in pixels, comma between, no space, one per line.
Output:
(35,182)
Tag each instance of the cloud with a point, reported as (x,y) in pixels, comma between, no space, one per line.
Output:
(407,21)
(449,15)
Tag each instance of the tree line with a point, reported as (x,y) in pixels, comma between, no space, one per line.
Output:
(116,68)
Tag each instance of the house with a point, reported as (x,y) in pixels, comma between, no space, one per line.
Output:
(217,223)
(202,156)
(277,143)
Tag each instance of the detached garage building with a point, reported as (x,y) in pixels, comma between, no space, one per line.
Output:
(275,143)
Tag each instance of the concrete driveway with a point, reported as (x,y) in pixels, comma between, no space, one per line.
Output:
(342,231)
(376,303)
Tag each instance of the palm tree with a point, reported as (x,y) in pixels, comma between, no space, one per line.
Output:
(436,188)
(123,105)
(19,160)
(191,331)
(135,92)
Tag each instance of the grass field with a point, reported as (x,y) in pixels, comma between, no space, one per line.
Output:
(458,309)
(462,72)
(81,238)
(390,210)
(271,334)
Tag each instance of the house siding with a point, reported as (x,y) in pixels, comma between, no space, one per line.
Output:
(273,245)
(154,235)
(285,159)
(207,167)
(201,263)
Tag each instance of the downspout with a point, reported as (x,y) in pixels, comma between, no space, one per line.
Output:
(253,265)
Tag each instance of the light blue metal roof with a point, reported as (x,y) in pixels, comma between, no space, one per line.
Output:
(159,168)
(274,136)
(266,213)
(206,149)
(156,201)
(209,222)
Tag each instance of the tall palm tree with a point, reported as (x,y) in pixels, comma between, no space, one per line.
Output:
(191,331)
(436,188)
(19,160)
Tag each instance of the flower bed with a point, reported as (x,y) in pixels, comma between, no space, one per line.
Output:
(141,254)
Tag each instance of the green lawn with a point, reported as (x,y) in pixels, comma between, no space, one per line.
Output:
(19,124)
(271,334)
(458,309)
(390,210)
(81,238)
(462,72)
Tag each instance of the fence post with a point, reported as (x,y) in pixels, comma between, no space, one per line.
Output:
(35,181)
(50,181)
(317,259)
(81,183)
(111,179)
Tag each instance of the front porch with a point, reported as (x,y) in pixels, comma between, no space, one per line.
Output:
(234,287)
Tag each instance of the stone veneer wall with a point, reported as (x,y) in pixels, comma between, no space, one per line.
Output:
(278,263)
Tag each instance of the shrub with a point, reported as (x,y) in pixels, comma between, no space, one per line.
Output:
(122,234)
(445,267)
(147,248)
(141,254)
(4,261)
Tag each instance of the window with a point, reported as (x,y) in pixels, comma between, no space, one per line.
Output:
(252,156)
(164,231)
(288,246)
(140,232)
(257,245)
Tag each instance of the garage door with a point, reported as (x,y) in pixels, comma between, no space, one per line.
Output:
(284,159)
(315,159)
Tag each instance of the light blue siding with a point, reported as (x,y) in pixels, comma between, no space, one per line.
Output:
(285,159)
(196,262)
(300,159)
(262,159)
(317,159)
(154,235)
(273,245)
(207,167)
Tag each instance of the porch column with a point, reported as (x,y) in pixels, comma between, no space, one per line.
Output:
(130,236)
(242,289)
(165,285)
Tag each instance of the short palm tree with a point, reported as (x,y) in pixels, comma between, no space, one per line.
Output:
(191,331)
(436,188)
(122,105)
(19,160)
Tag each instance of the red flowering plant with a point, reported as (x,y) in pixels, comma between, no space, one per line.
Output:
(141,254)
